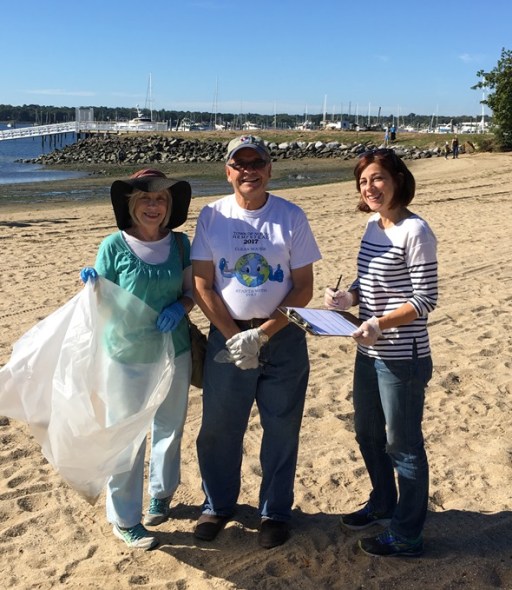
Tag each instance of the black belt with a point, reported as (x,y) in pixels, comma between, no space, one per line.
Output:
(248,324)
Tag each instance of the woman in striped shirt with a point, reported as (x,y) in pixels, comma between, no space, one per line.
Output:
(396,288)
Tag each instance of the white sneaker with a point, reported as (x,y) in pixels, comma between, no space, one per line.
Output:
(136,537)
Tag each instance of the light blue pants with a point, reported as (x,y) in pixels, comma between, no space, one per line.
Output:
(125,490)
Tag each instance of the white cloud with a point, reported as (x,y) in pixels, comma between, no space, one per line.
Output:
(469,58)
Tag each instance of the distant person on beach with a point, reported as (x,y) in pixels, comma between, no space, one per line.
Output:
(396,289)
(252,252)
(455,147)
(392,133)
(446,150)
(386,136)
(144,258)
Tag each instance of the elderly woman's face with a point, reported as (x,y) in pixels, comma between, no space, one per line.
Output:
(151,208)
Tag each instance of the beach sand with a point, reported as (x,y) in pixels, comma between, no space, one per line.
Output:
(51,538)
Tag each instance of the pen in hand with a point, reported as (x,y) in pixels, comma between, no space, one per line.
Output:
(338,300)
(338,282)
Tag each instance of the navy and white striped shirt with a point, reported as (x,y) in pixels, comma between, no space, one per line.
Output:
(395,266)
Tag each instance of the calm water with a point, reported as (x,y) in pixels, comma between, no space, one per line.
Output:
(12,172)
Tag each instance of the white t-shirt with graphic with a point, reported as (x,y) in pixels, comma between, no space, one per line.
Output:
(254,252)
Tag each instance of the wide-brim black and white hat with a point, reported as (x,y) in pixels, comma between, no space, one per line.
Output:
(150,181)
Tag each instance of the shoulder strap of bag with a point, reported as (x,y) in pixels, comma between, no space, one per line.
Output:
(179,240)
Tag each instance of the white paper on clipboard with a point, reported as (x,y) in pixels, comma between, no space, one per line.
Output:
(322,322)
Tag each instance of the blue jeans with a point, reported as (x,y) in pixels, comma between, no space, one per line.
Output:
(125,490)
(278,387)
(388,401)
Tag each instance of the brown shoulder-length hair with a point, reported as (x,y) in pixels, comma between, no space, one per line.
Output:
(405,185)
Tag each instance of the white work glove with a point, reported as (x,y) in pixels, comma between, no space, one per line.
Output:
(338,300)
(243,349)
(247,362)
(368,332)
(241,361)
(246,343)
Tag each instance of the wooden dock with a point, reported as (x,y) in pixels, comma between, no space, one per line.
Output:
(81,128)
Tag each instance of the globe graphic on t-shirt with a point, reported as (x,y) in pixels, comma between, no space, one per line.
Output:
(252,270)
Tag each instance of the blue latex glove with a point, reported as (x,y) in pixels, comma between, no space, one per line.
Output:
(88,272)
(170,317)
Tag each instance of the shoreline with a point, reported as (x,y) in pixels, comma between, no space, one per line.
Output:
(33,196)
(285,174)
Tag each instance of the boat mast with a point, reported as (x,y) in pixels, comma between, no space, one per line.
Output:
(215,102)
(149,99)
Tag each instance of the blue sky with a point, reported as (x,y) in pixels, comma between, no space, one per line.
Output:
(284,56)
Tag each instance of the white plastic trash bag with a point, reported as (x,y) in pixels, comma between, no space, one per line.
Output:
(88,380)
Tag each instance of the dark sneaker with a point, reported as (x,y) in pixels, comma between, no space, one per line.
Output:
(209,526)
(364,518)
(158,511)
(387,544)
(273,533)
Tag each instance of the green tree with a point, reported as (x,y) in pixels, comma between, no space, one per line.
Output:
(499,99)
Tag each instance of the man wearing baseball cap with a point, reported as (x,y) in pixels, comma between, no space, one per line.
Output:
(248,141)
(252,252)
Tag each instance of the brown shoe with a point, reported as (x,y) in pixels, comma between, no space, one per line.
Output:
(273,533)
(209,526)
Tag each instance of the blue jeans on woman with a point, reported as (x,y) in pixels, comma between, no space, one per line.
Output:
(388,401)
(278,387)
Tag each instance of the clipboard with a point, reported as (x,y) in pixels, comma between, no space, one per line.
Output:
(322,322)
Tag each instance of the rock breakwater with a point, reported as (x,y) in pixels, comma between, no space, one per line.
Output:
(154,149)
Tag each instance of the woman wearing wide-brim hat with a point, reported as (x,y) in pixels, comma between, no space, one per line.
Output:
(149,260)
